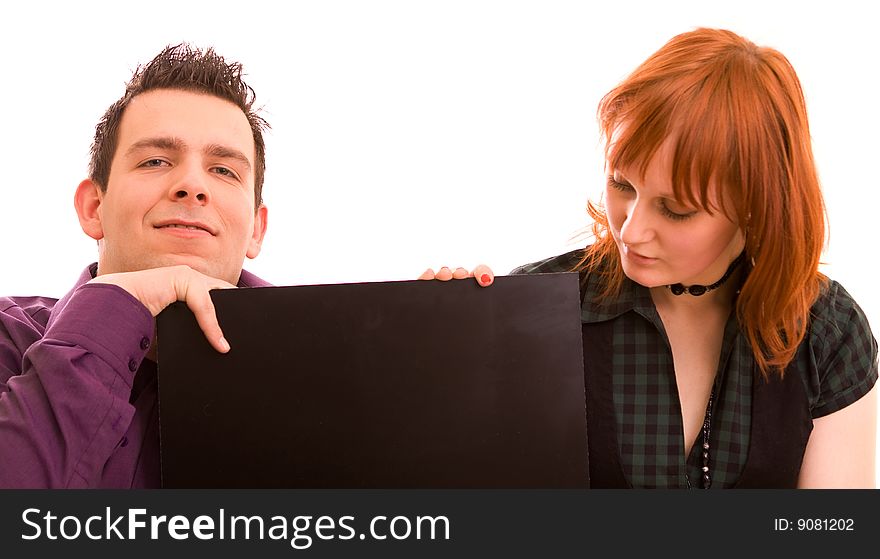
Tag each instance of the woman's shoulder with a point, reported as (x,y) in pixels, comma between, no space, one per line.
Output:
(836,313)
(843,350)
(562,263)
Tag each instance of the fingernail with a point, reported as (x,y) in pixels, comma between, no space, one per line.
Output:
(224,344)
(485,278)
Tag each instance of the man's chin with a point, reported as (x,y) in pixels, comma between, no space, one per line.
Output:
(199,264)
(219,268)
(195,262)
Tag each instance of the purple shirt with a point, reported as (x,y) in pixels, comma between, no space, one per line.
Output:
(77,398)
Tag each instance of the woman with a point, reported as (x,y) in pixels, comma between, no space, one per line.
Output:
(716,354)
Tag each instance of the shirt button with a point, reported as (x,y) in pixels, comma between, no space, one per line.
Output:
(123,442)
(132,365)
(145,343)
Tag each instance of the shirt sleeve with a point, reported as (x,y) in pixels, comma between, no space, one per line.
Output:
(562,263)
(64,399)
(844,352)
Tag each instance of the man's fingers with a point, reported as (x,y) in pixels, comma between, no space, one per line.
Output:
(199,302)
(460,273)
(194,289)
(427,275)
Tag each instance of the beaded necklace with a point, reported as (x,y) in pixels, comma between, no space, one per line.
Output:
(705,478)
(696,290)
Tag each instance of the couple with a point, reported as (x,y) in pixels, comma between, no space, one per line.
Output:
(716,354)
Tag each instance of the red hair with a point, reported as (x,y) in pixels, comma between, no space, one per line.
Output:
(734,112)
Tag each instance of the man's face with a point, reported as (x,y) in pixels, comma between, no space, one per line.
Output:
(181,188)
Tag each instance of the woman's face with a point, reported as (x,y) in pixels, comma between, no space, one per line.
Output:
(662,241)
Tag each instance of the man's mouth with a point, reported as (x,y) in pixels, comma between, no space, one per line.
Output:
(179,226)
(185,226)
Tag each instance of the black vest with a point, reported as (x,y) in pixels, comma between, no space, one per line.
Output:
(781,422)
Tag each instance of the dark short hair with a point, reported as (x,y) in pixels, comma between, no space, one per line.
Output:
(185,68)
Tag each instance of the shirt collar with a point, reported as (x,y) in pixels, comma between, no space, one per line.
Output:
(247,279)
(632,297)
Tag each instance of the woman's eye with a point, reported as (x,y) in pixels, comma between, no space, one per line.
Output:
(676,216)
(619,185)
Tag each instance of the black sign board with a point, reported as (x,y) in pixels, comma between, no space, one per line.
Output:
(410,384)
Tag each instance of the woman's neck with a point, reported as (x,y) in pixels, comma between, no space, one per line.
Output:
(721,298)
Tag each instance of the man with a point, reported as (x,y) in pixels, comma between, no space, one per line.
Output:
(173,200)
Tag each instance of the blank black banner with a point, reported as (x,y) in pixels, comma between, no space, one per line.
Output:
(404,385)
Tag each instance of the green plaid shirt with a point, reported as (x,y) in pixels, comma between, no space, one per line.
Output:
(837,362)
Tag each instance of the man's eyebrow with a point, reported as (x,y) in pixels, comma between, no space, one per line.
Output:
(176,144)
(161,142)
(224,152)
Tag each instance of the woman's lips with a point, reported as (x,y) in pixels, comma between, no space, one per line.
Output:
(637,258)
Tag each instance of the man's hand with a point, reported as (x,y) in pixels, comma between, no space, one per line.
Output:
(159,287)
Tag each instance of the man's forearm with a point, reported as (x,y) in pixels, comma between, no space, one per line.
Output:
(66,403)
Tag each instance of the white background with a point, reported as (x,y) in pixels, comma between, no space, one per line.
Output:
(408,134)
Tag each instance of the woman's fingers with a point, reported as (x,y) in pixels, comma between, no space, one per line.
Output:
(444,274)
(484,275)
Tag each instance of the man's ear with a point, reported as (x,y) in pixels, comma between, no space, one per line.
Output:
(87,201)
(260,222)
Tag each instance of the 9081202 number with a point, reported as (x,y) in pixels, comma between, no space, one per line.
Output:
(825,524)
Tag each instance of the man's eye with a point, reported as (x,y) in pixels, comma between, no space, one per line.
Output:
(153,163)
(226,172)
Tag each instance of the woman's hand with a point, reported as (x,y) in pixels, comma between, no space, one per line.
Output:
(482,273)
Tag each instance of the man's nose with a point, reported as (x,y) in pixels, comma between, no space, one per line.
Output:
(190,185)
